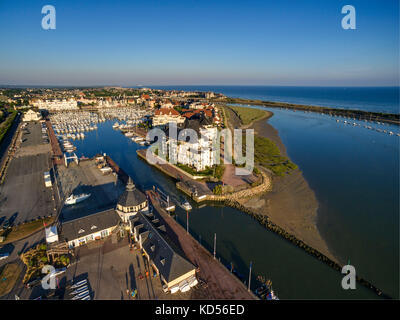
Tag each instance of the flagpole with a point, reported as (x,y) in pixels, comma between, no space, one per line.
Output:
(187,221)
(215,243)
(251,264)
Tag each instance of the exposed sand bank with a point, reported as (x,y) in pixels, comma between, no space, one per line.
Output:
(291,204)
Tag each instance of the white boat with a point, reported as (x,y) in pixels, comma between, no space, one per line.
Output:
(138,139)
(184,286)
(87,297)
(79,283)
(72,199)
(129,134)
(79,290)
(115,125)
(81,295)
(193,281)
(175,289)
(185,204)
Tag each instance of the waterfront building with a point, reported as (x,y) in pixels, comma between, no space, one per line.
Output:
(199,154)
(164,116)
(131,202)
(96,226)
(166,258)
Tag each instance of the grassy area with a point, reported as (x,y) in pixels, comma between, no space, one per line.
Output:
(248,115)
(6,125)
(36,258)
(24,230)
(267,154)
(193,172)
(8,277)
(208,172)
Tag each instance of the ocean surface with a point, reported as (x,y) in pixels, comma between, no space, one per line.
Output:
(353,171)
(378,99)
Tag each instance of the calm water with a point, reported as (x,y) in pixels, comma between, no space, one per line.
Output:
(355,175)
(240,239)
(380,99)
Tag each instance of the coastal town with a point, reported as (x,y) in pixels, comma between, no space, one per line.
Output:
(107,237)
(83,205)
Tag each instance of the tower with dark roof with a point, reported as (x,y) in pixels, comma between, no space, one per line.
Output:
(131,201)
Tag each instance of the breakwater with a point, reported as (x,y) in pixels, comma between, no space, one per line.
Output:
(391,118)
(267,223)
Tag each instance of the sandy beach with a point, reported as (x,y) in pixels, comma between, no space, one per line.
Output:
(291,204)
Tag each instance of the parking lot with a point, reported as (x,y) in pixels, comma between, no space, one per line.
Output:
(23,195)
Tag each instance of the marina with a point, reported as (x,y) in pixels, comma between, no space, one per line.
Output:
(224,221)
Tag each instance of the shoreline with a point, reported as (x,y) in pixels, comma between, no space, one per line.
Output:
(293,195)
(290,194)
(287,193)
(391,118)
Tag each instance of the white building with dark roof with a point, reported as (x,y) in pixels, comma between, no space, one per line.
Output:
(175,271)
(131,202)
(96,226)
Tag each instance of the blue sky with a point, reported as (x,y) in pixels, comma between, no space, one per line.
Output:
(199,42)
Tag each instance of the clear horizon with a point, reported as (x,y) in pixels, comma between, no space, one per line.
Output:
(186,85)
(255,43)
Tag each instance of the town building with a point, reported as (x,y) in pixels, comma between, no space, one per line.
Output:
(56,104)
(31,115)
(200,154)
(166,258)
(95,226)
(164,116)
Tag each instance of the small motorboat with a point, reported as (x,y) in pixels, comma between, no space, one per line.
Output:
(73,199)
(185,204)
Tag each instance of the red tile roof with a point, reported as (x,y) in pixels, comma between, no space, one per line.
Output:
(166,111)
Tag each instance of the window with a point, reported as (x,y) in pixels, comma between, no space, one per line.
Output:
(153,247)
(81,231)
(162,260)
(104,233)
(93,227)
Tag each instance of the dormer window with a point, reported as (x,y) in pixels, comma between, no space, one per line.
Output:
(93,227)
(153,247)
(162,260)
(81,231)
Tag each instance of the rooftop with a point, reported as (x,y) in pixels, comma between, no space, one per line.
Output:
(84,226)
(162,252)
(132,196)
